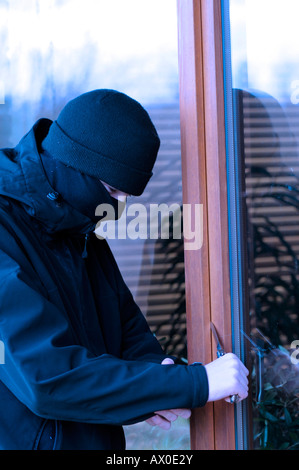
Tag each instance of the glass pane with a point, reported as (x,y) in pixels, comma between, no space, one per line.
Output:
(54,50)
(262,73)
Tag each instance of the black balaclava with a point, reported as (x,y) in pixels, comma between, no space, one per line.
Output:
(107,135)
(83,192)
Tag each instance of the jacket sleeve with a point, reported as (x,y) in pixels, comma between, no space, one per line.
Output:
(59,379)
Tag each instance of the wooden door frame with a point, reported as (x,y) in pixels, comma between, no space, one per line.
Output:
(204,178)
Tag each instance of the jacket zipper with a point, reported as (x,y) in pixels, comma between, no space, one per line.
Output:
(85,253)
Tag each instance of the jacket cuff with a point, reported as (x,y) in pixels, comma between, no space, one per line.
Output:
(201,384)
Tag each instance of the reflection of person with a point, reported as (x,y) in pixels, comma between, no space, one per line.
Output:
(80,360)
(270,206)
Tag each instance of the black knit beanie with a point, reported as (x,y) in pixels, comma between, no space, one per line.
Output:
(107,135)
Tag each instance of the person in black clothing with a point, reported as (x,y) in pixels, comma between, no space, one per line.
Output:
(80,359)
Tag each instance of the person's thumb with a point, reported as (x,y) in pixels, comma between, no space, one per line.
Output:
(167,361)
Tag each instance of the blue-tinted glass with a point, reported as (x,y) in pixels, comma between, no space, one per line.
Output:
(263,98)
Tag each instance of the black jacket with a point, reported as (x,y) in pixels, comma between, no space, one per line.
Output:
(80,360)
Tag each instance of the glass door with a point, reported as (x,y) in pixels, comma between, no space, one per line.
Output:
(261,70)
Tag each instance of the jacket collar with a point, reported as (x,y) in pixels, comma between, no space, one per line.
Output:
(38,197)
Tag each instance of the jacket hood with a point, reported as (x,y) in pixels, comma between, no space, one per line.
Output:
(22,178)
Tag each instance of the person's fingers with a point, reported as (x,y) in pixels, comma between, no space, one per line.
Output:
(164,418)
(167,414)
(227,376)
(244,381)
(242,391)
(182,412)
(160,422)
(232,357)
(242,376)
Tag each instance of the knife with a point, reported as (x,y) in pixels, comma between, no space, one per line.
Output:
(221,352)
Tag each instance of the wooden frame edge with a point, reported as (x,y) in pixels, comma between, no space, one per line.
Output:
(224,416)
(205,182)
(194,192)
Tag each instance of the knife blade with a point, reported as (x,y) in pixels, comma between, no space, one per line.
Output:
(220,350)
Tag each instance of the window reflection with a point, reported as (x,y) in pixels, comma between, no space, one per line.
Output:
(53,49)
(266,130)
(271,192)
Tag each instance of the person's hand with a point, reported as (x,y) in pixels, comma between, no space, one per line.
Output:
(164,418)
(227,376)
